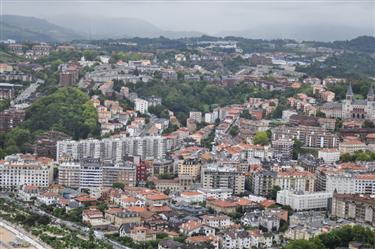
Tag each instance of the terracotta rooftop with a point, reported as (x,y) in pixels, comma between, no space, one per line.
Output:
(190,193)
(157,197)
(221,203)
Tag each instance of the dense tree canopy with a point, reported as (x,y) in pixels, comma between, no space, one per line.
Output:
(261,137)
(182,97)
(68,110)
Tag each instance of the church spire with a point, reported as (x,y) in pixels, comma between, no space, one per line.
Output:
(349,92)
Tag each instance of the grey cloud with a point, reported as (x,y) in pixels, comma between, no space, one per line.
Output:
(305,19)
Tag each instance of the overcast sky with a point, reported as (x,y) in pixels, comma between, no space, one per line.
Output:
(319,19)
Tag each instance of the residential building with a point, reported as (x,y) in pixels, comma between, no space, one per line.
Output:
(310,136)
(94,174)
(113,149)
(7,91)
(221,221)
(351,145)
(162,167)
(192,196)
(196,116)
(356,207)
(341,182)
(10,118)
(295,180)
(214,176)
(141,105)
(283,148)
(329,155)
(24,169)
(191,167)
(221,206)
(219,193)
(365,184)
(262,182)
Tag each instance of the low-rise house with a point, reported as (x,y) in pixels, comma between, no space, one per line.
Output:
(251,218)
(129,201)
(157,199)
(236,240)
(85,199)
(171,244)
(142,234)
(94,218)
(194,227)
(217,221)
(156,223)
(28,192)
(203,240)
(119,216)
(192,196)
(47,198)
(221,206)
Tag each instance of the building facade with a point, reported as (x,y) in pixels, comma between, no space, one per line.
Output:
(93,174)
(351,108)
(215,176)
(114,149)
(303,200)
(355,207)
(18,170)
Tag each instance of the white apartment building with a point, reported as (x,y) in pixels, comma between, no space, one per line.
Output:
(18,170)
(209,118)
(365,184)
(114,149)
(218,193)
(196,116)
(141,105)
(296,181)
(303,200)
(92,174)
(329,155)
(343,183)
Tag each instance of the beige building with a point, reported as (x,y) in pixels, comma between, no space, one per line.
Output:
(118,216)
(191,167)
(351,145)
(356,207)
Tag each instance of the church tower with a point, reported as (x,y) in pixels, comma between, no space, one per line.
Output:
(370,107)
(347,103)
(370,94)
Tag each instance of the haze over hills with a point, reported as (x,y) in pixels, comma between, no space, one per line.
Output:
(67,28)
(107,27)
(22,28)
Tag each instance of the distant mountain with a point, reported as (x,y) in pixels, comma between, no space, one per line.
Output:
(325,33)
(106,27)
(22,28)
(361,44)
